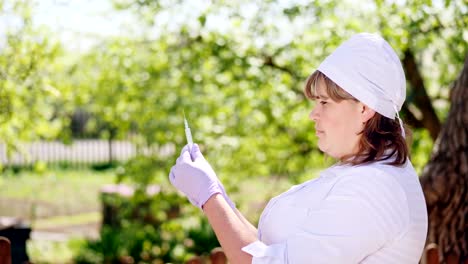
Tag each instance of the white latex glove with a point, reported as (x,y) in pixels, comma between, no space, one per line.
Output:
(194,176)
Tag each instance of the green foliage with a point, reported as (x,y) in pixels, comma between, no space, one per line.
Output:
(49,251)
(143,170)
(237,74)
(239,78)
(27,94)
(437,35)
(421,148)
(150,229)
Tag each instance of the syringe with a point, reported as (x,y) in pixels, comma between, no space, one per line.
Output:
(188,133)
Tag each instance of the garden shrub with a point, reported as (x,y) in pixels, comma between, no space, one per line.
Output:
(159,228)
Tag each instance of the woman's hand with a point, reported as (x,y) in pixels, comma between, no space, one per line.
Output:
(194,176)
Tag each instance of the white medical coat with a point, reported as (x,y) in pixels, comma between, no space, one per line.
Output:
(374,213)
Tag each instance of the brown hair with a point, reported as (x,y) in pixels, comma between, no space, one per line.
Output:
(381,137)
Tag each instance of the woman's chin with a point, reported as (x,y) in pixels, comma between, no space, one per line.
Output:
(322,147)
(327,151)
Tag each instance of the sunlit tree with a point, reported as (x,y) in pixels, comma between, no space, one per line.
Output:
(28,98)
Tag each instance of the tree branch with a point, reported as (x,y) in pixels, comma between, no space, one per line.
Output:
(410,119)
(421,99)
(268,61)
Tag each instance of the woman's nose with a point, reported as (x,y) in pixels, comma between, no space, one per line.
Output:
(314,114)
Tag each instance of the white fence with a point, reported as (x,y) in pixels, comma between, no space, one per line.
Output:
(82,151)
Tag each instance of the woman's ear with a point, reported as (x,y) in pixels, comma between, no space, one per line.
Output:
(366,113)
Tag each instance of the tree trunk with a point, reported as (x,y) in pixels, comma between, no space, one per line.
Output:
(445,179)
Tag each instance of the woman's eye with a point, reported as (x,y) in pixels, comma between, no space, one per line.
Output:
(323,102)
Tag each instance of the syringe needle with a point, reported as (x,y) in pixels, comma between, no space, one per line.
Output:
(188,133)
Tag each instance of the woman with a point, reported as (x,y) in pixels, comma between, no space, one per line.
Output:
(367,208)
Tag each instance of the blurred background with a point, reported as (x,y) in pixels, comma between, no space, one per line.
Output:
(92,95)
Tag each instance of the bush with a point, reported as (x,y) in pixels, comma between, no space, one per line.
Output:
(150,229)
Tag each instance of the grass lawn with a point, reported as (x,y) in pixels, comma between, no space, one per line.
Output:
(53,193)
(61,221)
(59,201)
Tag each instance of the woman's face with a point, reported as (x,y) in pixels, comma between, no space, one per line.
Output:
(337,124)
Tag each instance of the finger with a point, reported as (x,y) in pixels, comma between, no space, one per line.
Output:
(196,153)
(172,176)
(185,148)
(185,156)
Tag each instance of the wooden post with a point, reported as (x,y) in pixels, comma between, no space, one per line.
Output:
(5,251)
(194,260)
(432,254)
(217,256)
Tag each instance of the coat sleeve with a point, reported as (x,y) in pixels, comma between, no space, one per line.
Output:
(358,217)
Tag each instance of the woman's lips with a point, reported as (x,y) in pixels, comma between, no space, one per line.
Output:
(319,132)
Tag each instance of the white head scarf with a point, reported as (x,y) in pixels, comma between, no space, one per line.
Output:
(368,68)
